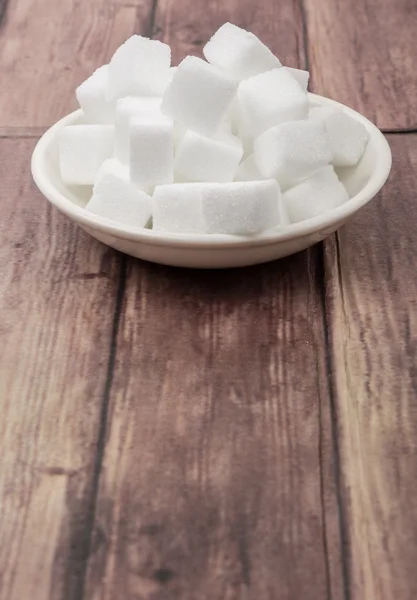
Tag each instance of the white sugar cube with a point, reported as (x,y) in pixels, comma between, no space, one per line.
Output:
(208,159)
(247,146)
(139,67)
(232,117)
(91,96)
(319,113)
(348,137)
(116,199)
(164,83)
(112,165)
(269,99)
(233,124)
(227,125)
(299,75)
(284,219)
(179,132)
(126,109)
(292,151)
(178,208)
(199,96)
(171,73)
(248,170)
(242,208)
(315,196)
(151,151)
(239,53)
(82,151)
(178,178)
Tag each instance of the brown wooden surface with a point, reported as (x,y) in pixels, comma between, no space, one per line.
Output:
(169,434)
(210,488)
(57,302)
(372,314)
(363,53)
(187,25)
(47,48)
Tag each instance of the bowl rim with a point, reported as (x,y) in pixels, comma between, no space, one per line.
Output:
(206,240)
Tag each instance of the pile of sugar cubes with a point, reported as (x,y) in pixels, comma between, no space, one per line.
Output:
(223,145)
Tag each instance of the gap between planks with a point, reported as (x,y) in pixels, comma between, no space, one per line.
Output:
(342,517)
(102,434)
(22,132)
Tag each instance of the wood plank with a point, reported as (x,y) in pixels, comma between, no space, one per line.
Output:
(372,308)
(22,132)
(187,25)
(361,54)
(218,476)
(217,480)
(57,300)
(45,54)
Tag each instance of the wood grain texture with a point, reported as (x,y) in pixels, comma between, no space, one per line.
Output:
(187,25)
(217,480)
(218,472)
(179,435)
(45,53)
(363,54)
(372,312)
(57,301)
(59,294)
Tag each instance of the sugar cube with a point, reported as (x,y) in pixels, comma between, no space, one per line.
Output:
(171,73)
(226,125)
(126,109)
(292,151)
(241,207)
(348,137)
(232,116)
(116,199)
(315,196)
(179,132)
(139,67)
(82,151)
(112,165)
(151,151)
(91,96)
(269,99)
(208,159)
(284,219)
(233,122)
(239,53)
(299,75)
(160,89)
(178,208)
(319,113)
(199,96)
(178,178)
(247,144)
(248,170)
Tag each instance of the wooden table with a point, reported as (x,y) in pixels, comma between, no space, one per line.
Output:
(247,434)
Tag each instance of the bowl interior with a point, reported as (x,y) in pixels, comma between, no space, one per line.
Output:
(362,182)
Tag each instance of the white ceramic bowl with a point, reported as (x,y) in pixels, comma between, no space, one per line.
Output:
(213,250)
